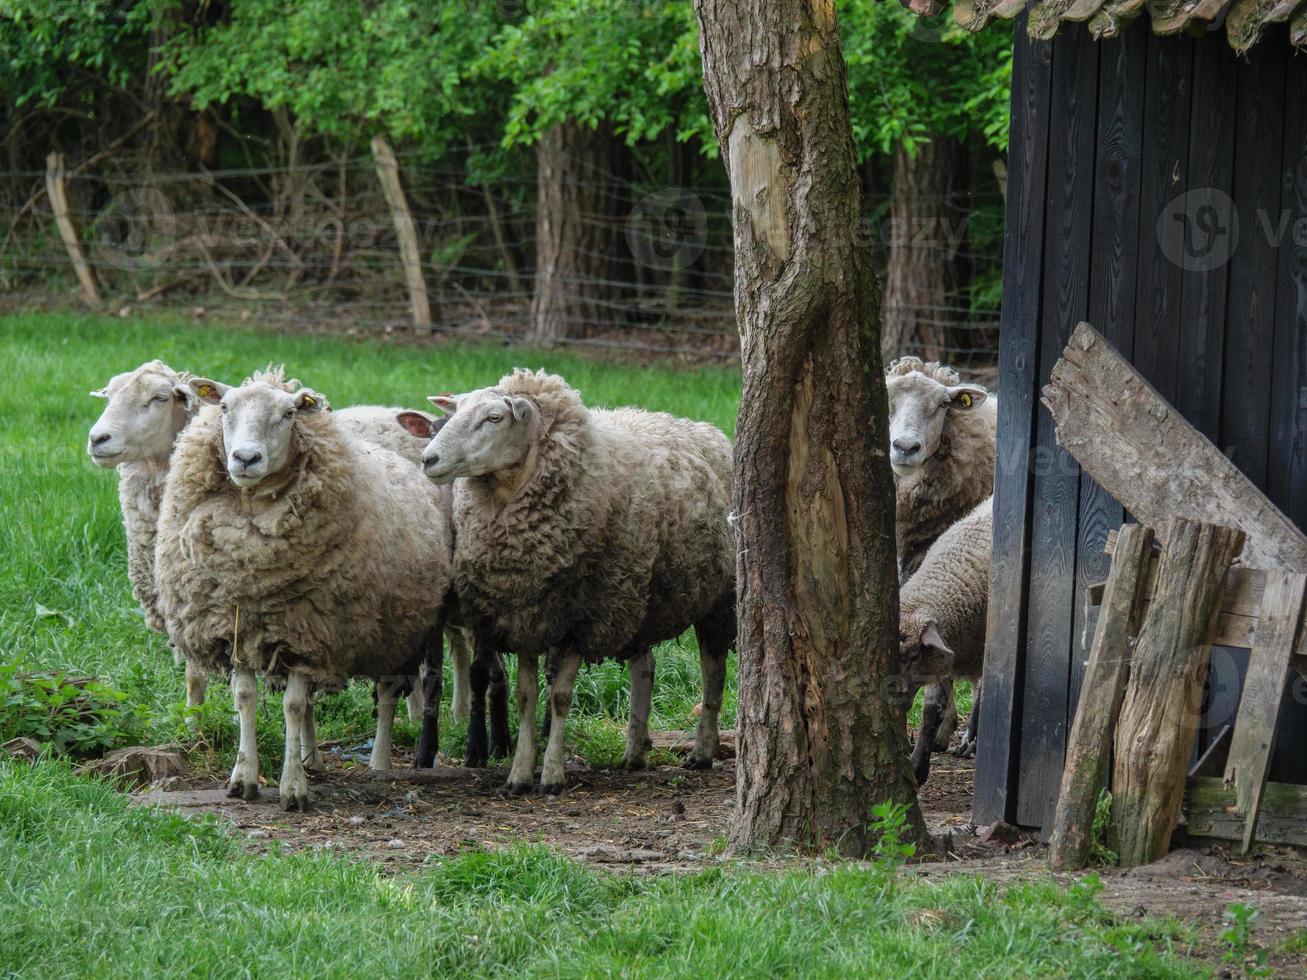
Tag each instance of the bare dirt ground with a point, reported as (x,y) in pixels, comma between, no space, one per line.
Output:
(668,819)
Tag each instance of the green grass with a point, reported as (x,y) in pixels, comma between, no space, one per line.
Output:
(65,601)
(90,886)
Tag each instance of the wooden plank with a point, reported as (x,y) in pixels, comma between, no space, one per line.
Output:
(1210,810)
(1018,355)
(1051,590)
(1264,690)
(1159,718)
(1090,744)
(56,191)
(1113,267)
(1112,421)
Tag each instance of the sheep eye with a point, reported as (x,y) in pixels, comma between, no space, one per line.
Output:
(158,400)
(223,408)
(290,413)
(494,418)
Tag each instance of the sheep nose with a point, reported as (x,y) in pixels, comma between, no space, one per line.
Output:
(101,438)
(430,459)
(247,457)
(907,446)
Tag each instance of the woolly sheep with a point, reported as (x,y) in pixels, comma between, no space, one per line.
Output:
(942,618)
(289,547)
(942,448)
(146,410)
(587,534)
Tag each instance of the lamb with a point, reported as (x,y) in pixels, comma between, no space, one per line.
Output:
(290,547)
(146,410)
(587,534)
(942,448)
(942,618)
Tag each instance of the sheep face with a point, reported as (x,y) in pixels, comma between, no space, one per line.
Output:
(923,654)
(145,411)
(258,420)
(486,432)
(918,409)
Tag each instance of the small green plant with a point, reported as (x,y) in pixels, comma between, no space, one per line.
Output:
(74,716)
(890,826)
(1099,851)
(1082,897)
(1240,950)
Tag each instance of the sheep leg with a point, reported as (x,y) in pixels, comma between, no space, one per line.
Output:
(309,739)
(551,671)
(475,755)
(941,694)
(501,739)
(461,707)
(197,683)
(712,672)
(384,693)
(244,782)
(417,696)
(637,725)
(294,781)
(432,680)
(522,776)
(967,750)
(552,774)
(931,717)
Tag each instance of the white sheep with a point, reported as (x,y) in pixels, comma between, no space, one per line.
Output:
(584,535)
(942,611)
(942,449)
(289,547)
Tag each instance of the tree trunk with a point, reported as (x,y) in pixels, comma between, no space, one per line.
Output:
(821,733)
(925,275)
(579,231)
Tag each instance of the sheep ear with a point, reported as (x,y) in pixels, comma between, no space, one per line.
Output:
(209,392)
(418,423)
(99,393)
(187,397)
(446,403)
(966,397)
(309,401)
(930,638)
(519,406)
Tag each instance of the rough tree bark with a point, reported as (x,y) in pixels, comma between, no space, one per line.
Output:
(579,230)
(821,733)
(925,272)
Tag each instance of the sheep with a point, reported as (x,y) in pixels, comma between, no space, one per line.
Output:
(942,448)
(942,612)
(587,534)
(290,547)
(146,410)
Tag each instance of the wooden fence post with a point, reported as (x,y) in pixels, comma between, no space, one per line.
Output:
(56,191)
(1101,693)
(1159,719)
(405,232)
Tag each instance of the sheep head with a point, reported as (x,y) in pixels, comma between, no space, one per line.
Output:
(921,398)
(146,409)
(924,656)
(486,431)
(258,422)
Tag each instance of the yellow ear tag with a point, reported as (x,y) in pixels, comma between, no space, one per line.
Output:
(965,399)
(206,391)
(308,401)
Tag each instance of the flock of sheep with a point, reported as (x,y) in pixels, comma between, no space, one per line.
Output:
(270,535)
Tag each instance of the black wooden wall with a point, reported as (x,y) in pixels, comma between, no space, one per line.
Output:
(1106,135)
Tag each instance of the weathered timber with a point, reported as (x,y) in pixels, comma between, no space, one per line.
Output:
(405,231)
(1113,421)
(1211,810)
(1101,694)
(1159,719)
(56,191)
(1264,691)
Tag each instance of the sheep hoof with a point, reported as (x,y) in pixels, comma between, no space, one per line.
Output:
(295,801)
(474,760)
(695,763)
(517,789)
(634,763)
(243,790)
(967,750)
(551,789)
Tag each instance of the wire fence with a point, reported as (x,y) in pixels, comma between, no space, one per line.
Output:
(648,268)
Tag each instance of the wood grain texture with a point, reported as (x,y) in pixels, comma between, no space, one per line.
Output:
(1090,744)
(1160,715)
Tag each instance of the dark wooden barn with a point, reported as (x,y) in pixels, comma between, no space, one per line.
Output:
(1158,190)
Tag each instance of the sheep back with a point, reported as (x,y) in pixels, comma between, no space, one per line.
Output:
(336,569)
